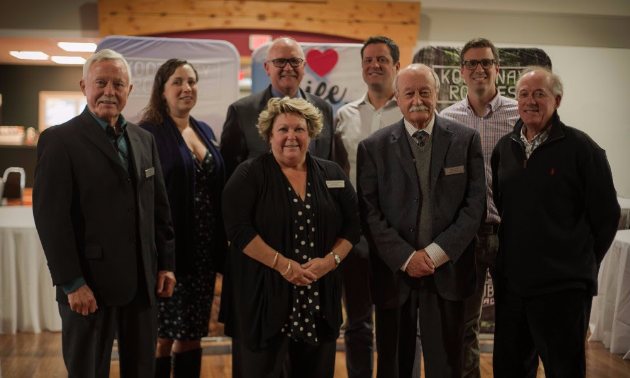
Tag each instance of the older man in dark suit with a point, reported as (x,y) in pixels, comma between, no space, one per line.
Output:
(285,67)
(421,188)
(103,218)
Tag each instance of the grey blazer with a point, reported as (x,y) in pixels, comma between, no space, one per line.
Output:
(240,139)
(388,192)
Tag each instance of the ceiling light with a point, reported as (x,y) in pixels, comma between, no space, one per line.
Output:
(31,55)
(67,59)
(78,46)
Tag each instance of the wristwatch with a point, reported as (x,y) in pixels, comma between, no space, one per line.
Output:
(337,259)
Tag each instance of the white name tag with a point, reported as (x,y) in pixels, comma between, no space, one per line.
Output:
(335,183)
(149,172)
(454,170)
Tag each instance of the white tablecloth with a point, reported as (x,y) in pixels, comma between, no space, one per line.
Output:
(610,315)
(27,296)
(624,221)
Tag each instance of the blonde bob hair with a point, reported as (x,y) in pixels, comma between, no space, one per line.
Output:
(286,105)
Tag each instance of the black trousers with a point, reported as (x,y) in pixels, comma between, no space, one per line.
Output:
(87,340)
(552,326)
(441,332)
(359,323)
(284,358)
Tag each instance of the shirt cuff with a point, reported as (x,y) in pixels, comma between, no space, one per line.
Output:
(73,285)
(437,254)
(404,267)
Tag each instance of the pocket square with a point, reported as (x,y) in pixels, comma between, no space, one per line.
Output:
(149,172)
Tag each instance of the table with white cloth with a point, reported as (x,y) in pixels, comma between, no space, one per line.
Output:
(610,315)
(624,221)
(27,295)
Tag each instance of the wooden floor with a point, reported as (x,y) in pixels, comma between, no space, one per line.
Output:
(39,356)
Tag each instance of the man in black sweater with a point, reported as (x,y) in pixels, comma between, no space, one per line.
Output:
(554,191)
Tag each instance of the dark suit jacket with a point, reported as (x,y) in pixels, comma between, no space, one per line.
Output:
(240,139)
(178,168)
(388,197)
(91,221)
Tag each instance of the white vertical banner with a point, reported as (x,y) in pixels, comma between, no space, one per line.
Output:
(333,71)
(217,64)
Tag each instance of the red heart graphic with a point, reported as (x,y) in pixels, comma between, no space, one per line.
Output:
(322,62)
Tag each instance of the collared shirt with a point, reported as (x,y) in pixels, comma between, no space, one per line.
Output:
(500,120)
(275,93)
(435,252)
(356,121)
(119,141)
(537,140)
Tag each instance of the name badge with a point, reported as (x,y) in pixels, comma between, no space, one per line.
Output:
(335,184)
(453,170)
(149,172)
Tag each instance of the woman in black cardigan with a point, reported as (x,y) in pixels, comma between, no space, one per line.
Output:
(194,176)
(291,218)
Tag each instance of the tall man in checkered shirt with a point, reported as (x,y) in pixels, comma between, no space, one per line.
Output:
(493,115)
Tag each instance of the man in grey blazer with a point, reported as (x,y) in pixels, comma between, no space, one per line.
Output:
(285,67)
(421,188)
(103,217)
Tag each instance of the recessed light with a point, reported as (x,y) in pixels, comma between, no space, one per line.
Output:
(67,59)
(31,55)
(78,46)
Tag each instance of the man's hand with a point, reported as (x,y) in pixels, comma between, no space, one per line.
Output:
(82,301)
(420,265)
(166,283)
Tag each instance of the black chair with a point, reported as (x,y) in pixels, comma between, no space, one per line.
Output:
(13,182)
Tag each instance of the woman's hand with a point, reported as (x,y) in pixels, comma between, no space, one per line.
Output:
(320,265)
(296,274)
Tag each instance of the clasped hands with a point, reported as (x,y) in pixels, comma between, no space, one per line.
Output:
(305,274)
(420,265)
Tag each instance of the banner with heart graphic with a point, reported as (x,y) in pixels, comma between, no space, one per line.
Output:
(333,72)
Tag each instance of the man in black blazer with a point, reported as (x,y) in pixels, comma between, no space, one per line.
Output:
(103,218)
(285,67)
(421,188)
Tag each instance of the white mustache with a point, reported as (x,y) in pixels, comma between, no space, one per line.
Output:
(107,99)
(419,108)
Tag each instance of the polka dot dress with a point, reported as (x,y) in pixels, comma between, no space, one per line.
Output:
(305,299)
(186,315)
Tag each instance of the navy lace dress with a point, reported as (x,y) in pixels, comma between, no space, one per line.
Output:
(186,315)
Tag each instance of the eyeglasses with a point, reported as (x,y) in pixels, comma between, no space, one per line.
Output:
(486,64)
(281,62)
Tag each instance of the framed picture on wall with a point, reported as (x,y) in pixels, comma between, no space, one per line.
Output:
(58,107)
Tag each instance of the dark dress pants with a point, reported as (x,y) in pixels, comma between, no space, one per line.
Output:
(441,332)
(485,256)
(552,326)
(87,340)
(359,323)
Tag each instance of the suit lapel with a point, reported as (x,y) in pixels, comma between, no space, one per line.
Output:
(441,142)
(136,149)
(97,136)
(400,146)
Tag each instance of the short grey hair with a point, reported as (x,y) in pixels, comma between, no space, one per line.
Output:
(105,54)
(555,82)
(417,65)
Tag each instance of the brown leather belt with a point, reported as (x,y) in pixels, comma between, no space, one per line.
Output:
(488,228)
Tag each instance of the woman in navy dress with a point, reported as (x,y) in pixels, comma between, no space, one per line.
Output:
(194,176)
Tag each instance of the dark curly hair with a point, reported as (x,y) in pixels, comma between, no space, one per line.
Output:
(156,110)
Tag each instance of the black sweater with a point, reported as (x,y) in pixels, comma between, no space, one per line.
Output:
(255,301)
(559,211)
